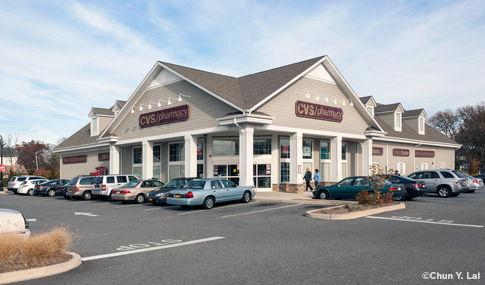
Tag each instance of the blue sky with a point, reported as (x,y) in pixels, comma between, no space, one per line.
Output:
(60,58)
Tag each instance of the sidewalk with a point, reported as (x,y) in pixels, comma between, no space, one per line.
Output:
(299,198)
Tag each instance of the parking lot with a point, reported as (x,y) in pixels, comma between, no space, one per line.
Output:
(262,242)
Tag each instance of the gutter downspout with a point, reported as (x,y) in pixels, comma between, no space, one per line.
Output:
(241,129)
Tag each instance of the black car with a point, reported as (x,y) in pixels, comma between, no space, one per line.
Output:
(413,188)
(49,188)
(480,176)
(159,196)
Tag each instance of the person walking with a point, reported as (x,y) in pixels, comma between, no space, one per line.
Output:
(316,178)
(308,178)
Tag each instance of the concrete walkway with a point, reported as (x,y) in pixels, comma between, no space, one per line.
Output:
(299,198)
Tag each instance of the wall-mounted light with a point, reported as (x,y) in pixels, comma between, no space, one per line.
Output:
(334,100)
(317,97)
(307,95)
(180,97)
(168,102)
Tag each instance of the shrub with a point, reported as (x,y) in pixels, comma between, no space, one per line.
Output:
(376,180)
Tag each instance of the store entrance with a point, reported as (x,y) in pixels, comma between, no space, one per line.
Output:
(227,171)
(262,176)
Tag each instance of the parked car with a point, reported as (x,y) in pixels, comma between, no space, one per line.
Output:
(27,187)
(207,192)
(413,188)
(159,196)
(104,184)
(49,187)
(445,182)
(60,190)
(80,187)
(135,191)
(15,181)
(349,187)
(480,176)
(12,221)
(474,183)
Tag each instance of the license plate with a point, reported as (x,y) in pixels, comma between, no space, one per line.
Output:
(150,199)
(177,196)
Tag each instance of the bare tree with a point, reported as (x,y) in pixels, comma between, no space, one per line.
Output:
(446,121)
(9,143)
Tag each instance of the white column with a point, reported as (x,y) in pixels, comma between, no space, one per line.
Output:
(190,156)
(366,156)
(336,157)
(296,158)
(246,135)
(209,167)
(114,159)
(275,159)
(147,159)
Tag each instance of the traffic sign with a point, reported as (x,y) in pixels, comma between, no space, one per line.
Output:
(2,168)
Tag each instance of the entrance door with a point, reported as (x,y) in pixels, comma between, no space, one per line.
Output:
(262,176)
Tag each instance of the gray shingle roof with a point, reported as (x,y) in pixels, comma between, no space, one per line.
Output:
(245,91)
(431,134)
(412,113)
(386,108)
(83,136)
(365,99)
(103,111)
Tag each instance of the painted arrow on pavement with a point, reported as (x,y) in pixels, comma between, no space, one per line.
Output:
(31,220)
(85,214)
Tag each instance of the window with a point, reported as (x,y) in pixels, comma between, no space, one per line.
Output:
(424,166)
(95,125)
(401,167)
(176,171)
(344,151)
(177,151)
(361,181)
(447,174)
(215,184)
(156,154)
(137,155)
(228,184)
(344,169)
(156,172)
(324,172)
(324,150)
(346,182)
(285,172)
(369,109)
(225,147)
(110,179)
(200,150)
(285,148)
(137,172)
(157,184)
(122,179)
(307,149)
(200,170)
(398,120)
(262,146)
(86,181)
(421,124)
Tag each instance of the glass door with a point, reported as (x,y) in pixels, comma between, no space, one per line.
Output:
(262,176)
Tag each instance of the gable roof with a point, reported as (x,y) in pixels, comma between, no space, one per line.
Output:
(365,99)
(83,136)
(386,108)
(103,111)
(245,91)
(412,113)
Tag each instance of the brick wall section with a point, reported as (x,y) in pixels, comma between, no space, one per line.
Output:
(296,188)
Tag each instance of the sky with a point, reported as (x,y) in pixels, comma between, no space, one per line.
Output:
(58,59)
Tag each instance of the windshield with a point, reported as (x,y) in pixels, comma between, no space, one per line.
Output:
(195,185)
(131,184)
(174,183)
(73,181)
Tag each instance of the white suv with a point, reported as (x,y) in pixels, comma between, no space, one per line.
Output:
(28,186)
(444,182)
(15,182)
(103,184)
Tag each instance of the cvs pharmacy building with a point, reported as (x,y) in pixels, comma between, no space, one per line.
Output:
(260,130)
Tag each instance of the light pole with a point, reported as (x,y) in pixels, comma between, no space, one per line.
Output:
(1,162)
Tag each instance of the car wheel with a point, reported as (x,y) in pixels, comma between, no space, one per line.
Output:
(208,203)
(323,195)
(408,198)
(139,199)
(246,197)
(51,193)
(444,192)
(185,206)
(400,198)
(471,191)
(104,198)
(87,195)
(124,202)
(30,192)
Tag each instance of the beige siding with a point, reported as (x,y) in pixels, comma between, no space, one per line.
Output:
(282,107)
(389,119)
(204,109)
(446,156)
(71,170)
(103,123)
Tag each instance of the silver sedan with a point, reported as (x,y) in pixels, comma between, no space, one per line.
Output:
(207,192)
(474,183)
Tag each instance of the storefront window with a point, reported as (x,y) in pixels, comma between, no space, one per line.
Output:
(344,170)
(307,149)
(156,154)
(262,146)
(200,170)
(227,171)
(177,151)
(137,155)
(324,150)
(285,148)
(200,150)
(344,151)
(325,172)
(137,172)
(225,147)
(156,172)
(285,172)
(176,171)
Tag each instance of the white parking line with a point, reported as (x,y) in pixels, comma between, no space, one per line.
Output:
(426,222)
(218,208)
(149,248)
(160,208)
(81,202)
(412,203)
(248,213)
(127,206)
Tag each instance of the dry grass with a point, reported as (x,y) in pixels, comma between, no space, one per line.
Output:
(42,249)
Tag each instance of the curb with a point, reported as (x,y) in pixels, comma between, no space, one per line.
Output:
(307,201)
(350,216)
(40,272)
